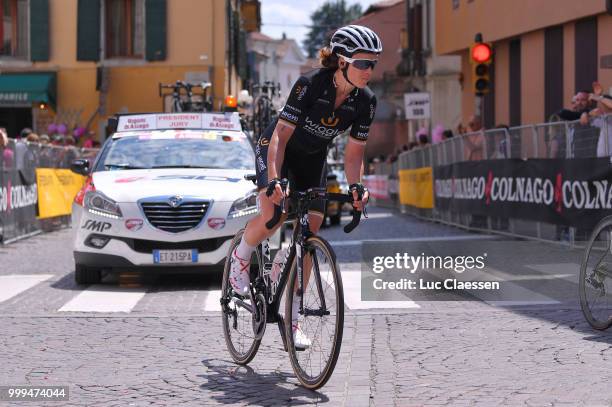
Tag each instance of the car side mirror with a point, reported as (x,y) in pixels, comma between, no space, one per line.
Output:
(80,166)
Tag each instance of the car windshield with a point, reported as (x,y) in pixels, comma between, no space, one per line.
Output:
(177,149)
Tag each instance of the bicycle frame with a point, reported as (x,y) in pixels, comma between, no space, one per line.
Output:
(273,291)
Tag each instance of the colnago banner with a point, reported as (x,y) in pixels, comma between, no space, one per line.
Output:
(18,199)
(575,192)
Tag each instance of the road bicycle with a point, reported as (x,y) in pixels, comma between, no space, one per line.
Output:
(595,281)
(321,308)
(263,107)
(188,101)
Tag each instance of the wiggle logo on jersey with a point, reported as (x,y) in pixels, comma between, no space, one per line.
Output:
(330,121)
(320,130)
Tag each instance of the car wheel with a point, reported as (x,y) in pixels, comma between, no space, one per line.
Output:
(335,220)
(86,275)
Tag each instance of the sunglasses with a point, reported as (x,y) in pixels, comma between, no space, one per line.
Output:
(361,64)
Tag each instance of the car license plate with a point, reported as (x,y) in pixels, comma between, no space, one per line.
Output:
(175,256)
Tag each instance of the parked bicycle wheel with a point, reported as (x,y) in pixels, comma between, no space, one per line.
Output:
(323,318)
(237,320)
(595,284)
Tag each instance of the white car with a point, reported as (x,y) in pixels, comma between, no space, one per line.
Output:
(166,192)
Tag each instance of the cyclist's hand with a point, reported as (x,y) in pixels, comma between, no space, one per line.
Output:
(275,192)
(356,190)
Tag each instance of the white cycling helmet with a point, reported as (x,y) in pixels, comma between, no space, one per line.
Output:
(353,38)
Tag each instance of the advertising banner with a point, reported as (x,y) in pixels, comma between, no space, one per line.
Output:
(56,191)
(574,192)
(18,198)
(416,187)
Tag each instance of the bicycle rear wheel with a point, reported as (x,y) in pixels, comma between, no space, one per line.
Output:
(595,281)
(238,320)
(322,320)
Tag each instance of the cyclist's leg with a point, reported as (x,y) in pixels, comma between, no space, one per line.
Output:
(255,231)
(309,172)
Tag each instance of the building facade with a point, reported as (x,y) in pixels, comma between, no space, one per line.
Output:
(544,51)
(80,61)
(275,60)
(409,64)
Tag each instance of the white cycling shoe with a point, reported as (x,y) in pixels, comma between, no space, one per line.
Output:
(239,274)
(300,340)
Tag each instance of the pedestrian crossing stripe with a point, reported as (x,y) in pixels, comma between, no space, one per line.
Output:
(13,285)
(104,298)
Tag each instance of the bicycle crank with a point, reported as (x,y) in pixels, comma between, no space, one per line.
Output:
(259,316)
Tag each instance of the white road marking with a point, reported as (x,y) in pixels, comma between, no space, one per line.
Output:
(102,298)
(211,303)
(508,293)
(413,239)
(351,282)
(13,285)
(568,271)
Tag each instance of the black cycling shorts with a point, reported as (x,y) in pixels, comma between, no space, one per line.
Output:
(302,170)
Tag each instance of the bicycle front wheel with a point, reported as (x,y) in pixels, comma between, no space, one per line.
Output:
(237,319)
(322,318)
(595,283)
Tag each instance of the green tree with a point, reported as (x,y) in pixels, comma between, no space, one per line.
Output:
(331,15)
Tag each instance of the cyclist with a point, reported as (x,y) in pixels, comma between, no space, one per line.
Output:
(322,104)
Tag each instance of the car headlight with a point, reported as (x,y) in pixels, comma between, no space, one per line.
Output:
(99,204)
(244,206)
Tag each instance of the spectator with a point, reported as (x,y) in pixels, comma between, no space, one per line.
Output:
(6,153)
(582,136)
(422,138)
(474,140)
(33,138)
(436,134)
(88,142)
(412,145)
(461,129)
(44,139)
(96,144)
(604,143)
(447,134)
(580,104)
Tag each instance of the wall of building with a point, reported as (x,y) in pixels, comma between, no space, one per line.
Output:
(196,45)
(498,20)
(533,71)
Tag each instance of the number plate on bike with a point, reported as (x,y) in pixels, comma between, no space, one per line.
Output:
(175,256)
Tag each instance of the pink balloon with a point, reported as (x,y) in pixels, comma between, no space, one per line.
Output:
(79,131)
(51,128)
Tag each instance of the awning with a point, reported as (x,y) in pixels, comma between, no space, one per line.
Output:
(23,89)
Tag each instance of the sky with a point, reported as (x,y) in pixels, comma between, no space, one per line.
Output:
(292,17)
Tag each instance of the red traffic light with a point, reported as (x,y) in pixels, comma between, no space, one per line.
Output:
(481,53)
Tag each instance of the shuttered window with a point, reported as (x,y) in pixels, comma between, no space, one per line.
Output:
(39,30)
(156,29)
(88,30)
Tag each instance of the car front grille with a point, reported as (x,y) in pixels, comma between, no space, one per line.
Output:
(147,246)
(186,216)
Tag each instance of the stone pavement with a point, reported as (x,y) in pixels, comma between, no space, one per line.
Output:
(168,348)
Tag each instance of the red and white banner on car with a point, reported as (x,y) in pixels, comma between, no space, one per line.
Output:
(161,121)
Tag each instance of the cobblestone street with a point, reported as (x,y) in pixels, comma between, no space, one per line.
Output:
(169,348)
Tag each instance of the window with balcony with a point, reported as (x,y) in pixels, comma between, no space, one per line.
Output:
(14,28)
(124,28)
